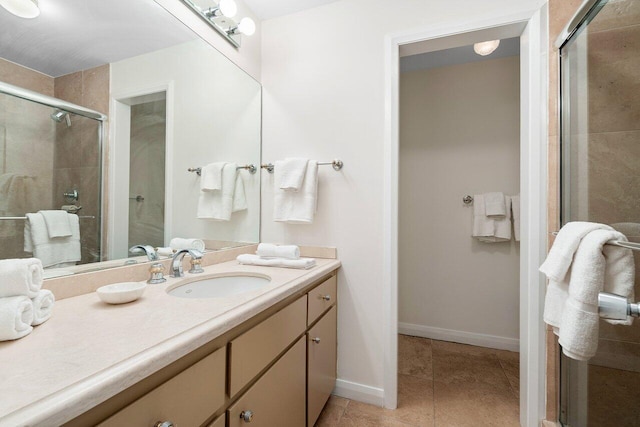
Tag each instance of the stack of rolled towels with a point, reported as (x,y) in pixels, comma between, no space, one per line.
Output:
(23,304)
(270,255)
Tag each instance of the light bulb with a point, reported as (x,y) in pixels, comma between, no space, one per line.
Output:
(22,8)
(486,48)
(228,8)
(247,26)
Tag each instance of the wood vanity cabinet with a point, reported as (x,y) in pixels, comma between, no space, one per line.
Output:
(276,369)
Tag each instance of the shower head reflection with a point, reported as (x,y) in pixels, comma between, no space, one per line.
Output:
(59,116)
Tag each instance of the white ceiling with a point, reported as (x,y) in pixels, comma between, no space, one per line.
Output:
(72,35)
(267,9)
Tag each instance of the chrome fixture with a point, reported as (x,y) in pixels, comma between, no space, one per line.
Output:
(196,266)
(467,200)
(164,424)
(337,165)
(71,195)
(156,270)
(486,48)
(59,115)
(629,245)
(147,249)
(316,340)
(137,198)
(220,15)
(616,307)
(22,8)
(176,263)
(250,167)
(246,416)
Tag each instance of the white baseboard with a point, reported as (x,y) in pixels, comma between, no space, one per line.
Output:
(482,340)
(359,392)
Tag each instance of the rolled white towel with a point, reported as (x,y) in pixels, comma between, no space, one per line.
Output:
(269,250)
(178,243)
(16,315)
(42,306)
(302,263)
(20,277)
(168,252)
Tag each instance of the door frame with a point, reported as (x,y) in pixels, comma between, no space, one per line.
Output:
(533,192)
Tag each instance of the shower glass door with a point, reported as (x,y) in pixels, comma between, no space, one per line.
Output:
(600,139)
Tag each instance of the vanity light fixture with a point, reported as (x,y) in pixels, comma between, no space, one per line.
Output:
(220,15)
(486,48)
(22,8)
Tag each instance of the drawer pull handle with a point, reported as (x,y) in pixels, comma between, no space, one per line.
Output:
(164,424)
(316,340)
(326,297)
(246,416)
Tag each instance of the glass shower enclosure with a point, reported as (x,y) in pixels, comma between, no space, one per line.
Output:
(600,182)
(50,159)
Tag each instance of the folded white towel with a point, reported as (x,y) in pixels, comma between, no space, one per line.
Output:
(57,223)
(219,205)
(269,250)
(490,229)
(239,195)
(168,252)
(20,277)
(16,315)
(292,173)
(297,207)
(515,213)
(211,176)
(302,263)
(42,306)
(178,243)
(494,204)
(56,252)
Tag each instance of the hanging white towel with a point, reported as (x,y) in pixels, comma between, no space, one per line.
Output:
(292,173)
(297,207)
(219,205)
(494,204)
(250,259)
(56,252)
(20,277)
(490,229)
(42,306)
(58,223)
(211,176)
(16,315)
(515,213)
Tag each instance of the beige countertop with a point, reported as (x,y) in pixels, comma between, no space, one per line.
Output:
(89,351)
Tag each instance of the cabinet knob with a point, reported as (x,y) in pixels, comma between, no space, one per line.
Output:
(316,340)
(246,416)
(164,424)
(326,297)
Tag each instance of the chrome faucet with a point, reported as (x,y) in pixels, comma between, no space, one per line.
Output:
(147,249)
(176,263)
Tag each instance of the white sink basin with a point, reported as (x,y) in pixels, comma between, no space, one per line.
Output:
(219,287)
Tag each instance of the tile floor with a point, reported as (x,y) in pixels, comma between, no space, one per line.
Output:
(440,384)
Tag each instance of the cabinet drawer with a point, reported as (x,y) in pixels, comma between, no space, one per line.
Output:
(321,355)
(252,351)
(187,399)
(321,298)
(219,422)
(278,397)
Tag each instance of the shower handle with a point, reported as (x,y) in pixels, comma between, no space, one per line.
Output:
(71,195)
(137,198)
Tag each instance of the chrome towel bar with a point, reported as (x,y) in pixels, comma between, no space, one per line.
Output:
(629,245)
(616,307)
(251,168)
(337,165)
(13,218)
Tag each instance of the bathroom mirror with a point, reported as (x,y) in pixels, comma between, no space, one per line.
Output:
(172,103)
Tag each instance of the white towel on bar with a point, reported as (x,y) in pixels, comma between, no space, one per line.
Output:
(211,176)
(20,277)
(58,223)
(250,259)
(515,213)
(297,207)
(42,306)
(56,252)
(291,174)
(16,316)
(490,229)
(494,204)
(219,205)
(269,250)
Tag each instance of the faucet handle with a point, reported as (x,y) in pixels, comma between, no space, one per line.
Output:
(196,266)
(156,270)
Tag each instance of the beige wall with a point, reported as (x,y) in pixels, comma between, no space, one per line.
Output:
(459,134)
(26,78)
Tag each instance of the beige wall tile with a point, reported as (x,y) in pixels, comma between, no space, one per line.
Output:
(26,78)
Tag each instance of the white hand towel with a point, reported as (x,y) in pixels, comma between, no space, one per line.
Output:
(178,243)
(42,307)
(218,205)
(269,250)
(491,229)
(211,176)
(16,315)
(239,195)
(20,277)
(250,259)
(57,222)
(589,271)
(297,207)
(515,211)
(56,252)
(292,173)
(494,204)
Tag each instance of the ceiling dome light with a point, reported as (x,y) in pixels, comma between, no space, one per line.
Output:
(247,26)
(228,8)
(22,8)
(486,48)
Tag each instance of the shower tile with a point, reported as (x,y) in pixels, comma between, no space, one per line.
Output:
(96,88)
(25,78)
(618,355)
(414,356)
(622,13)
(69,87)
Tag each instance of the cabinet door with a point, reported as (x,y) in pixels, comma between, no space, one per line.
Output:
(277,399)
(322,346)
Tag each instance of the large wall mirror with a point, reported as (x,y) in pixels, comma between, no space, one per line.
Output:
(104,108)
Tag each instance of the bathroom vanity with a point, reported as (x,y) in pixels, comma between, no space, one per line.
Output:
(266,356)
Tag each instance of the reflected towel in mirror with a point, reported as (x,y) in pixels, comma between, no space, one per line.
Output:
(53,252)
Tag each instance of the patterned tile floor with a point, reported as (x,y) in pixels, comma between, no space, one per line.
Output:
(440,384)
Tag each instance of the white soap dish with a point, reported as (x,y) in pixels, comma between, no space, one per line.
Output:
(121,293)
